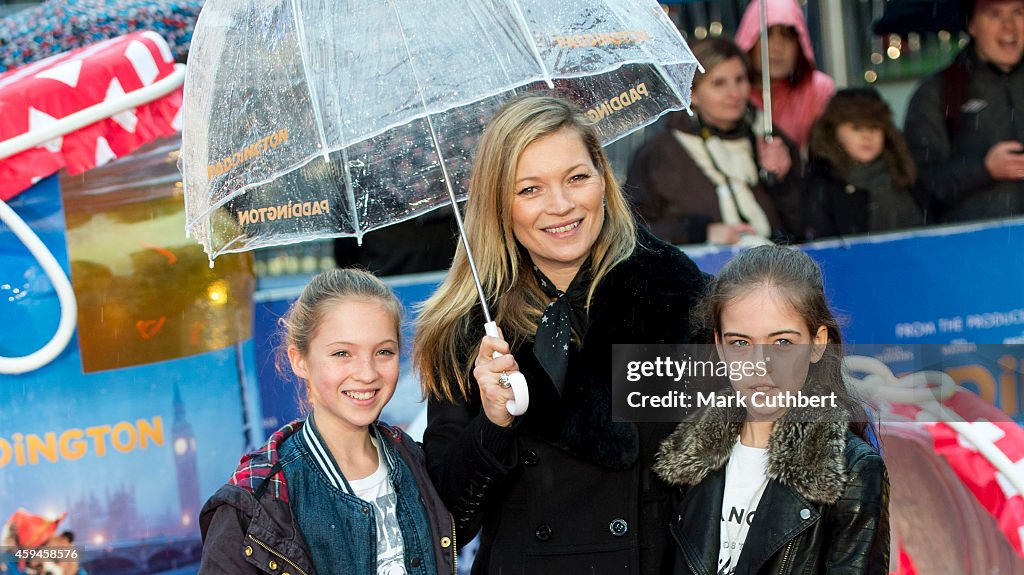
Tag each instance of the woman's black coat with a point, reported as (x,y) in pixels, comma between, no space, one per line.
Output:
(565,489)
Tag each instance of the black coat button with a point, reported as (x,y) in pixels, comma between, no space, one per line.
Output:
(677,519)
(543,532)
(530,457)
(618,527)
(415,562)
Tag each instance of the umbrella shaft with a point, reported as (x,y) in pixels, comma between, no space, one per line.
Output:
(766,76)
(444,174)
(469,252)
(458,221)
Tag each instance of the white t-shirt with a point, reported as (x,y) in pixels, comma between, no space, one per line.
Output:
(745,481)
(376,489)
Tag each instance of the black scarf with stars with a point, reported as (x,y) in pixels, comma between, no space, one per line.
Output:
(567,313)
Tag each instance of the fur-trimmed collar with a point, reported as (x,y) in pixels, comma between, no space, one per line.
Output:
(807,456)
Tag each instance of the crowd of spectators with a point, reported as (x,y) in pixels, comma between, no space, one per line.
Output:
(838,164)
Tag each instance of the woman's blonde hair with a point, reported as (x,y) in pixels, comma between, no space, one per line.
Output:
(448,330)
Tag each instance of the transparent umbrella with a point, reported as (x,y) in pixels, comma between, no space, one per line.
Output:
(312,119)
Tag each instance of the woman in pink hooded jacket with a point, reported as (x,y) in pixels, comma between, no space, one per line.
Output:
(799,90)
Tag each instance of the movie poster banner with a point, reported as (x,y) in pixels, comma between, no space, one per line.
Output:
(128,451)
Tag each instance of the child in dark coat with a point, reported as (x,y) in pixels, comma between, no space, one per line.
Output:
(861,175)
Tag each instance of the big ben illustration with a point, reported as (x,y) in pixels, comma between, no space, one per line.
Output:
(184,445)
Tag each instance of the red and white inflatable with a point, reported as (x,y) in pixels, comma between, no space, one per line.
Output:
(84,108)
(955,461)
(956,443)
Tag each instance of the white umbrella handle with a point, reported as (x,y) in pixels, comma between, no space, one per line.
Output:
(61,284)
(520,391)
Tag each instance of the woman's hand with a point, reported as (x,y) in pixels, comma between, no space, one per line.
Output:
(487,371)
(728,234)
(774,157)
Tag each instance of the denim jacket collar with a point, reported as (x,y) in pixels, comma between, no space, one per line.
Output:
(326,464)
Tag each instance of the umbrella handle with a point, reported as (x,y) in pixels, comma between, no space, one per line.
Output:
(520,391)
(769,178)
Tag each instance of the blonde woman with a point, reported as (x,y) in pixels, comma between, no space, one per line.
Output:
(563,488)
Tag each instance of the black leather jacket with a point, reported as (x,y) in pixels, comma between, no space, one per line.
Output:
(821,512)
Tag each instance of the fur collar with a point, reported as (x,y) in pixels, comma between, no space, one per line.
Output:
(807,456)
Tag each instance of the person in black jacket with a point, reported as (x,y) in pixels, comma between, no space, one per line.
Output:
(964,125)
(861,174)
(766,486)
(562,488)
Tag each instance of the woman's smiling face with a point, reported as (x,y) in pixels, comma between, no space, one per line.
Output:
(722,94)
(557,211)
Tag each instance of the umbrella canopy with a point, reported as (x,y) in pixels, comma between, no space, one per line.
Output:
(57,26)
(303,121)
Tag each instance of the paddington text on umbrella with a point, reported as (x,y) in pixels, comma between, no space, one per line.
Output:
(283,211)
(249,152)
(603,39)
(610,106)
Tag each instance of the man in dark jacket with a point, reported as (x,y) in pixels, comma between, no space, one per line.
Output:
(964,124)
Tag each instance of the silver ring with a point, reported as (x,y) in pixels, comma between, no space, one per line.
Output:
(504,381)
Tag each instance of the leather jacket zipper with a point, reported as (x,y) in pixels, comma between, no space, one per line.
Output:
(278,555)
(686,556)
(786,555)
